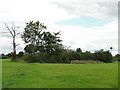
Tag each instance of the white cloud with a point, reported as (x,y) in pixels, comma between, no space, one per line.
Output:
(26,10)
(95,9)
(89,38)
(51,11)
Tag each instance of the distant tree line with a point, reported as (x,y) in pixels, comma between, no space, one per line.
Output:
(46,47)
(65,56)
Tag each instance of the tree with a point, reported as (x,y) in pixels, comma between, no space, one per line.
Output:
(104,56)
(29,48)
(13,31)
(117,57)
(20,54)
(38,39)
(51,42)
(79,50)
(86,55)
(33,34)
(9,55)
(44,43)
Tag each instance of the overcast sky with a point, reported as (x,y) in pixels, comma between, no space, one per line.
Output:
(83,24)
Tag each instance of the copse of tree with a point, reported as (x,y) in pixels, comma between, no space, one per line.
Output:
(37,38)
(41,42)
(44,46)
(100,55)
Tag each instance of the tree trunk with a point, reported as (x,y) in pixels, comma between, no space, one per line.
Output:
(14,50)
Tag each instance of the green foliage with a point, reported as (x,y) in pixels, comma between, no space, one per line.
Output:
(41,44)
(39,40)
(20,54)
(104,56)
(46,47)
(42,57)
(3,56)
(31,58)
(32,33)
(116,57)
(9,55)
(51,42)
(30,48)
(86,55)
(78,50)
(61,55)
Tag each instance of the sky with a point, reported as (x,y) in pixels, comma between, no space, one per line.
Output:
(89,25)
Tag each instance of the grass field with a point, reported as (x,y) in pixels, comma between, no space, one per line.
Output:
(0,74)
(35,75)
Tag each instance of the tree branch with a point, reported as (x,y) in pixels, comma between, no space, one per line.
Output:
(9,30)
(17,44)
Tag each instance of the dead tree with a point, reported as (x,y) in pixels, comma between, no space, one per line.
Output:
(12,30)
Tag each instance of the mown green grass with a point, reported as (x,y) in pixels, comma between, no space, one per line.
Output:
(35,75)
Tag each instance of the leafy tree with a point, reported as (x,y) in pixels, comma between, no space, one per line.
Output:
(45,43)
(79,50)
(33,34)
(104,56)
(51,42)
(30,48)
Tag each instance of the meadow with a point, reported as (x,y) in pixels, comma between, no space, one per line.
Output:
(36,75)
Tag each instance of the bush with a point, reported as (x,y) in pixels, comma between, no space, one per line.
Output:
(116,58)
(104,56)
(4,56)
(62,57)
(30,58)
(20,54)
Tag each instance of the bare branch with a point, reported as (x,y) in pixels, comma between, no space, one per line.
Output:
(18,33)
(9,30)
(17,44)
(4,32)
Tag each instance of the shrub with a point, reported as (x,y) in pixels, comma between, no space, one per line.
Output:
(104,56)
(3,56)
(20,54)
(31,58)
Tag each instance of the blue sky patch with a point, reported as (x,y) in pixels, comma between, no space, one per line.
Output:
(84,21)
